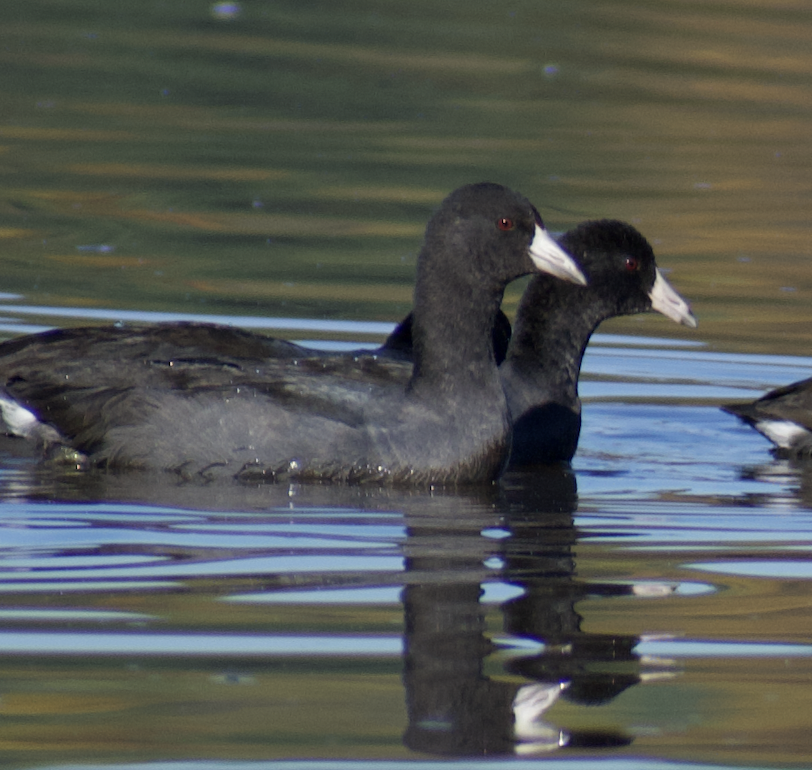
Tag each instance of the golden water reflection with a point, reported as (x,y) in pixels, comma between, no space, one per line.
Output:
(691,120)
(284,163)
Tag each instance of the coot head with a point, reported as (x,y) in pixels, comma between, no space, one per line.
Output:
(623,269)
(554,323)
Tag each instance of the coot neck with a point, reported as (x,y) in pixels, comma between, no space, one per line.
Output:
(452,321)
(553,325)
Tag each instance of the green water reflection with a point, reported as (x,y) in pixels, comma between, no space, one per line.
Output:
(285,159)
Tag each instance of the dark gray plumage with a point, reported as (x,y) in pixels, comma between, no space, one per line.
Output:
(554,322)
(206,400)
(783,415)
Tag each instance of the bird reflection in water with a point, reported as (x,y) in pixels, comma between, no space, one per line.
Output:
(455,708)
(470,689)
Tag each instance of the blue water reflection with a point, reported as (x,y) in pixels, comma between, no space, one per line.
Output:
(548,600)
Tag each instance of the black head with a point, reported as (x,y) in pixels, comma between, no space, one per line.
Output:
(488,232)
(622,273)
(619,261)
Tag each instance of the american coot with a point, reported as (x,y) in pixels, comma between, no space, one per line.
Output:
(554,322)
(553,326)
(213,401)
(783,415)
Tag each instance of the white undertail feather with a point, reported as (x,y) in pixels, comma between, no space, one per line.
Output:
(17,420)
(783,433)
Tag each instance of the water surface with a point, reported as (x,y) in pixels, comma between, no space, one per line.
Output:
(273,166)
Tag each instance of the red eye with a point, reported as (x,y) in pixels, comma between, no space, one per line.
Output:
(505,224)
(631,264)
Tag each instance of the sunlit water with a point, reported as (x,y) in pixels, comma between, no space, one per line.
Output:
(651,603)
(273,165)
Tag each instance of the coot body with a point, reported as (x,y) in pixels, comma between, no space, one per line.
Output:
(209,401)
(783,415)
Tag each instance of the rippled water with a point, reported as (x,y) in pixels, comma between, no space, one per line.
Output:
(652,602)
(273,165)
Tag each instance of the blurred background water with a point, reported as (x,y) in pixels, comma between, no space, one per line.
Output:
(273,165)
